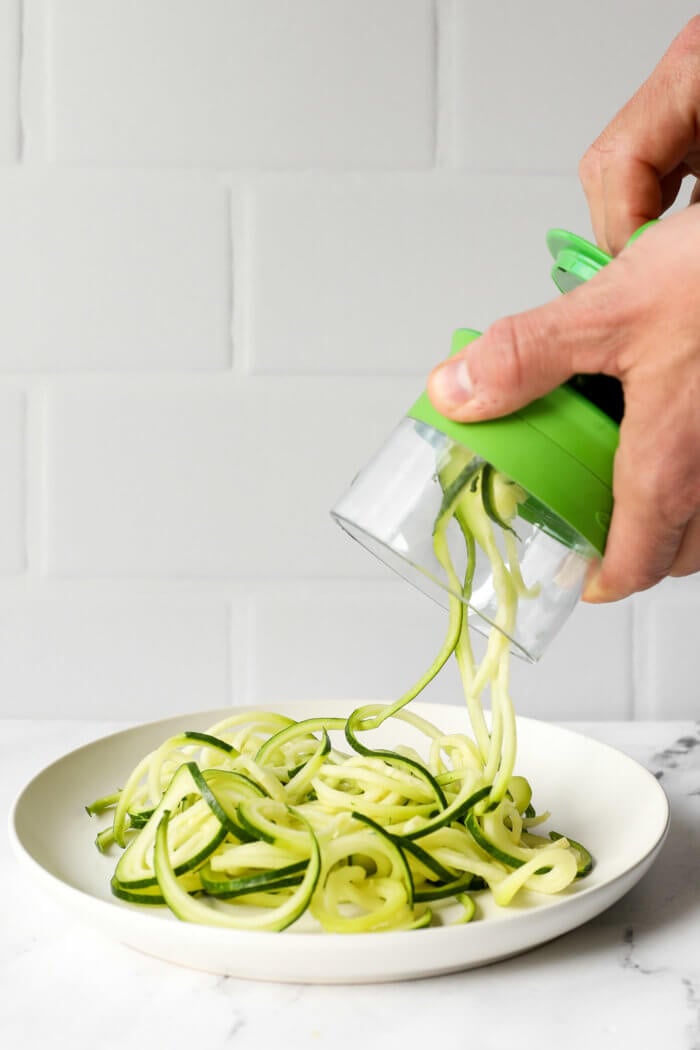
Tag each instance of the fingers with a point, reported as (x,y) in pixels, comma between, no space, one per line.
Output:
(655,528)
(624,193)
(521,358)
(640,552)
(634,169)
(630,196)
(642,549)
(687,558)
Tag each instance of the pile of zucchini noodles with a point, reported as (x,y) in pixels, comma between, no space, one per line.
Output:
(260,820)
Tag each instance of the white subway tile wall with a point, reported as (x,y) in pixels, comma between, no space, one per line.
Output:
(107,272)
(234,237)
(243,83)
(224,479)
(130,657)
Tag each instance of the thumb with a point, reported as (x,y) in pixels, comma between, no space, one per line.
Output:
(523,357)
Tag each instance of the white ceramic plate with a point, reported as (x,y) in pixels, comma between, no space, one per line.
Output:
(596,794)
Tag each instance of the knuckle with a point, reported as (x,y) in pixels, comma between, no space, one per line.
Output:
(689,36)
(665,497)
(584,169)
(687,559)
(682,501)
(671,490)
(642,579)
(604,308)
(589,167)
(647,494)
(507,354)
(631,564)
(629,580)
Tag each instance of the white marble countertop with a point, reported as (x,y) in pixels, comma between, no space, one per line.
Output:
(630,978)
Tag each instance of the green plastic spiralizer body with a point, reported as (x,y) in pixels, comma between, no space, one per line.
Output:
(559,450)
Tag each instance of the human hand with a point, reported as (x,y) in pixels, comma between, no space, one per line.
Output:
(639,320)
(633,171)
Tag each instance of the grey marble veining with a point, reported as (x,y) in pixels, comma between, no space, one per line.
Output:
(629,978)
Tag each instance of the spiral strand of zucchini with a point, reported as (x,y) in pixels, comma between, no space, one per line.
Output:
(261,821)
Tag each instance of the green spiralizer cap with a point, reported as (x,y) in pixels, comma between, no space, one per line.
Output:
(561,447)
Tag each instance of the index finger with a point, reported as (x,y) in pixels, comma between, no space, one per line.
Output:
(623,171)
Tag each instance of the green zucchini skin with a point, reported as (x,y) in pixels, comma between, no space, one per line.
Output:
(482,840)
(189,909)
(228,888)
(353,724)
(585,862)
(133,870)
(469,475)
(488,501)
(447,885)
(209,741)
(210,777)
(459,811)
(305,727)
(445,890)
(132,896)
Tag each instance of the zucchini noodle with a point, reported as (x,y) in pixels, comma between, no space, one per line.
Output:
(263,822)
